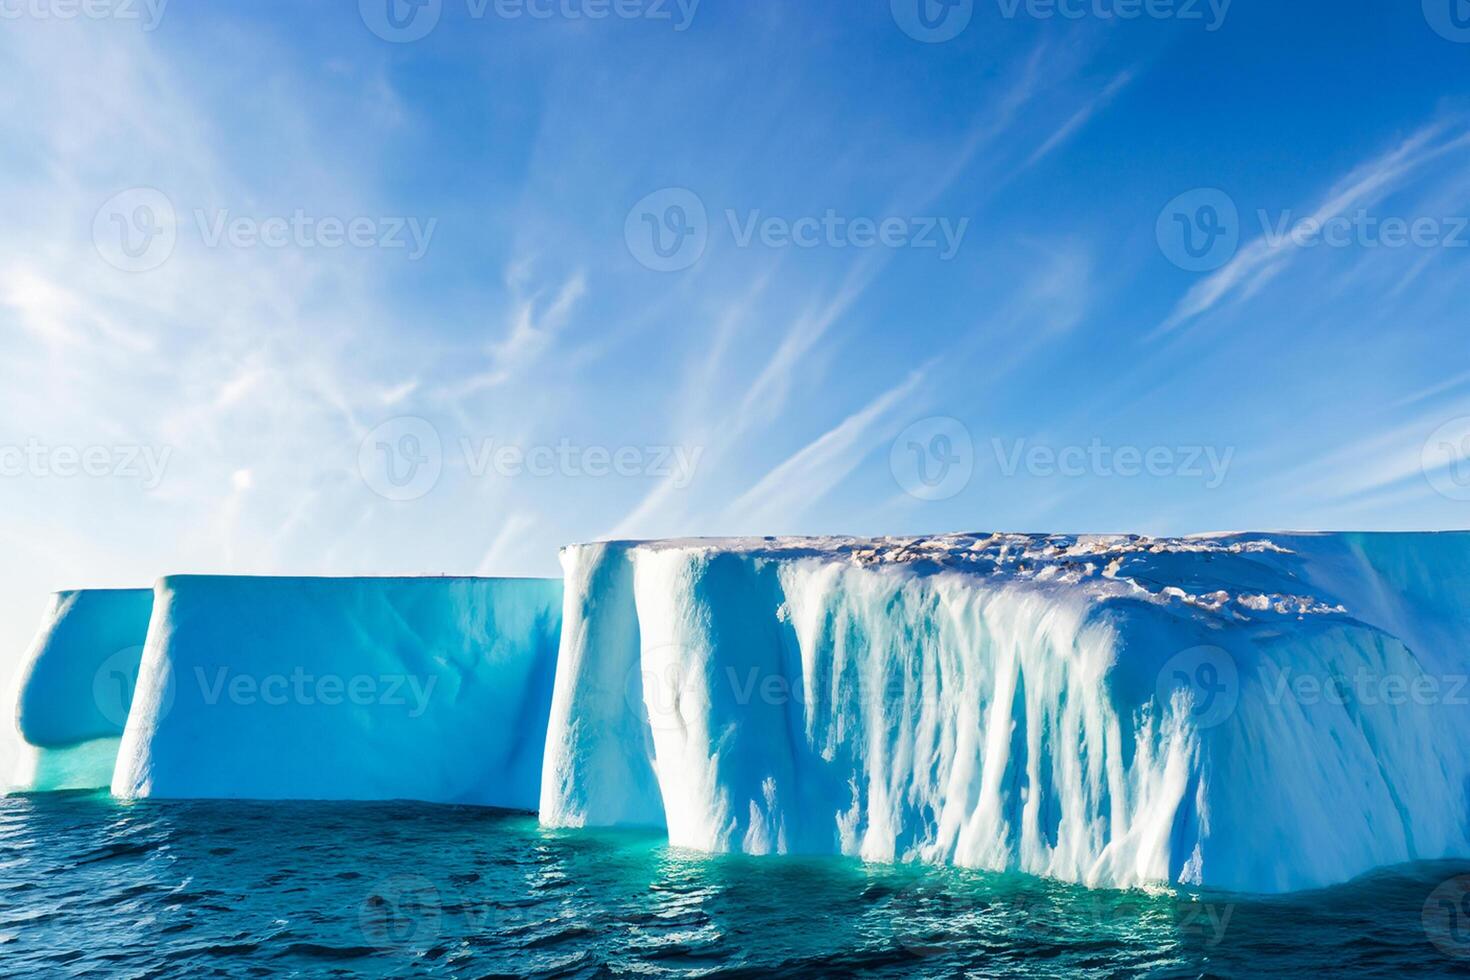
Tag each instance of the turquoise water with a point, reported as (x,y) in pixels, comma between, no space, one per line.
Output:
(90,886)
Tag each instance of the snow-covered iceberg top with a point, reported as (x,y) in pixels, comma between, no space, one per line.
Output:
(1261,712)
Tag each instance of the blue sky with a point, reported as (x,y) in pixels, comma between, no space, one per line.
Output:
(244,379)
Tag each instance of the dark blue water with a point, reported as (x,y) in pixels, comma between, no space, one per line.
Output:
(90,886)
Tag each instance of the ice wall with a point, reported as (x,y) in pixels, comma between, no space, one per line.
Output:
(432,689)
(72,697)
(1251,712)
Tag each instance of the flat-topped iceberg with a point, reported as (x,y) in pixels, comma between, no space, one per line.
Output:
(433,689)
(74,691)
(1255,712)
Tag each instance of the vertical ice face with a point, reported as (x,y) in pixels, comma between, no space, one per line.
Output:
(74,693)
(598,771)
(1111,710)
(432,689)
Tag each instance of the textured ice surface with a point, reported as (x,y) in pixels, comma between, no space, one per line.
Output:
(432,689)
(72,697)
(1261,712)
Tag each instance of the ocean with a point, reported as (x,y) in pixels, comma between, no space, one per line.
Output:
(92,886)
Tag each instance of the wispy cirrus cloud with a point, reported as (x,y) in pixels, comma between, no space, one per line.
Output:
(1264,258)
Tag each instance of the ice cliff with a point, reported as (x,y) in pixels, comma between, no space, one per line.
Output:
(73,694)
(1254,712)
(1257,712)
(430,689)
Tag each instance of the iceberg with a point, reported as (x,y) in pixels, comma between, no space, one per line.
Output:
(73,694)
(1250,712)
(431,689)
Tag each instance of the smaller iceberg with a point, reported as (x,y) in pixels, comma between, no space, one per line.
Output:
(432,689)
(75,690)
